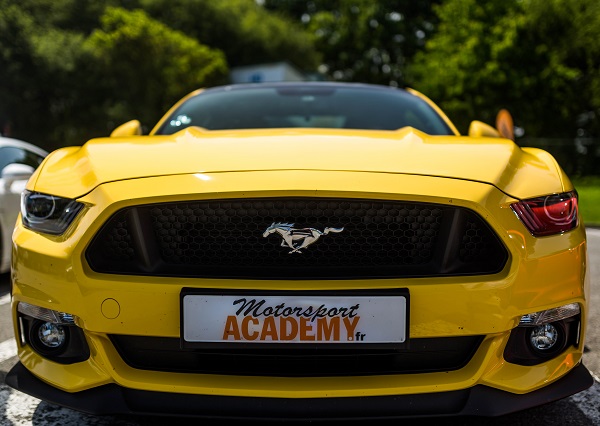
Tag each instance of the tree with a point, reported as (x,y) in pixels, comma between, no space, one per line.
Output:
(143,66)
(539,59)
(73,69)
(37,66)
(244,31)
(368,41)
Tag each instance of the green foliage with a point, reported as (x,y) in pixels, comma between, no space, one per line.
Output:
(72,15)
(367,41)
(37,65)
(526,56)
(246,32)
(74,69)
(588,189)
(145,66)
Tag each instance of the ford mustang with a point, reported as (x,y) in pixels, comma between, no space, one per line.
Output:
(301,251)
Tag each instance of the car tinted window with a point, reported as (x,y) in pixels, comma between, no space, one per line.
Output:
(306,106)
(10,155)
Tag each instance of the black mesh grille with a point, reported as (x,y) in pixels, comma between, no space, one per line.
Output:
(477,242)
(117,241)
(229,238)
(424,355)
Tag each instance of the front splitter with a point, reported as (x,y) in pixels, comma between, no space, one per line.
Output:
(476,401)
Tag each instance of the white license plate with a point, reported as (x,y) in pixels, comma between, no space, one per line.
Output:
(211,318)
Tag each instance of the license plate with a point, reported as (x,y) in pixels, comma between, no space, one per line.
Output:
(288,317)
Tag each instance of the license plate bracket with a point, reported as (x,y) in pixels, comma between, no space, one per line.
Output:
(214,318)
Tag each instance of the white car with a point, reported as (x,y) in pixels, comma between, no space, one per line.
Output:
(18,160)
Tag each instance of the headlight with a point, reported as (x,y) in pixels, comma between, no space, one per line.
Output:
(47,213)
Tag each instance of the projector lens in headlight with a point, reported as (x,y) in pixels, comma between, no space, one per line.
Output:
(47,213)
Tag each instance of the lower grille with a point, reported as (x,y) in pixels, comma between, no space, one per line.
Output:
(424,355)
(349,239)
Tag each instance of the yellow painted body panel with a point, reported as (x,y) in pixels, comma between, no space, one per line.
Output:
(75,171)
(541,273)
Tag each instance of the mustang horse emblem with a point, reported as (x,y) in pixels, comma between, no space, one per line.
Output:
(297,239)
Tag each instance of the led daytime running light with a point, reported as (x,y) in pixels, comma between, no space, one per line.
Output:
(44,314)
(551,315)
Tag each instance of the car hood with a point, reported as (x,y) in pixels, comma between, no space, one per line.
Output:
(74,171)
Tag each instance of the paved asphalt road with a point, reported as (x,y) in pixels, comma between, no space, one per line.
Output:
(583,409)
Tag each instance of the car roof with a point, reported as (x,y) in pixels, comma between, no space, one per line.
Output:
(17,143)
(303,84)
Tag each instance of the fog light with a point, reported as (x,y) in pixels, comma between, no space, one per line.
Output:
(47,338)
(52,335)
(544,337)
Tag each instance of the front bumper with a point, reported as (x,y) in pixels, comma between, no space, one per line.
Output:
(479,400)
(541,274)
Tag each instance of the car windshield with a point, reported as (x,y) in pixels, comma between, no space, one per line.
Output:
(305,105)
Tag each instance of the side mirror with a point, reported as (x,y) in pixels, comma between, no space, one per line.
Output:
(505,125)
(131,128)
(14,172)
(479,129)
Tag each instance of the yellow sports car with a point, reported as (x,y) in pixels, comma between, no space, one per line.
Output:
(300,251)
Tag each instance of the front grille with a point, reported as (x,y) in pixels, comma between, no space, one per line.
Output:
(225,239)
(424,355)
